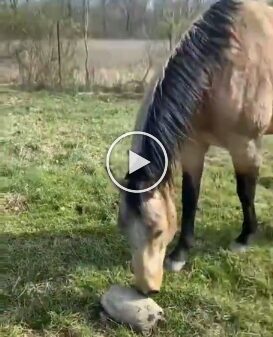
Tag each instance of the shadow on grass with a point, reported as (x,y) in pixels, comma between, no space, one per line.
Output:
(209,239)
(60,274)
(266,182)
(55,279)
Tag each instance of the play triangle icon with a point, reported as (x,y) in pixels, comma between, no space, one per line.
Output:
(136,162)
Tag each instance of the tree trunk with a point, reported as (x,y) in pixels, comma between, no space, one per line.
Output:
(128,22)
(104,14)
(170,42)
(69,8)
(86,24)
(14,5)
(59,54)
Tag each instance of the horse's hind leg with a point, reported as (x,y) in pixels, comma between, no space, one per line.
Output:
(246,160)
(193,155)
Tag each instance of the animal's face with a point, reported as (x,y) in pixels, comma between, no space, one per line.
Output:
(148,230)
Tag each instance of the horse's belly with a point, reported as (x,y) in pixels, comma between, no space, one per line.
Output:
(269,131)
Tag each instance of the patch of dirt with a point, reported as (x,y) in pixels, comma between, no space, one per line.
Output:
(13,203)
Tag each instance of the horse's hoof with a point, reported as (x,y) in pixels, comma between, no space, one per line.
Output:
(173,265)
(176,263)
(237,247)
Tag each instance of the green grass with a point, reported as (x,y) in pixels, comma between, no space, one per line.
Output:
(60,247)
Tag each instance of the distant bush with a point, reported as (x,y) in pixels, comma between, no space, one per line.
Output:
(38,62)
(34,24)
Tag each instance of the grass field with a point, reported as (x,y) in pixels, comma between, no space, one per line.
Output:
(62,250)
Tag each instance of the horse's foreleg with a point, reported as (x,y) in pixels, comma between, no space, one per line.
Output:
(193,162)
(246,170)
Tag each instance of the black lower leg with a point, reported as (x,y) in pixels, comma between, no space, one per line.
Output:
(190,194)
(246,189)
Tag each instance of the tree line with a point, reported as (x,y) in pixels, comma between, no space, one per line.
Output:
(42,35)
(144,19)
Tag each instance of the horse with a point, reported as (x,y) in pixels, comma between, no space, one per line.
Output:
(216,89)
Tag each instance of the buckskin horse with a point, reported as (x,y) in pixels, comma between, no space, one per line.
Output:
(215,89)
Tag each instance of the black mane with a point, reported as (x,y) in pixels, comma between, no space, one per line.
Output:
(177,95)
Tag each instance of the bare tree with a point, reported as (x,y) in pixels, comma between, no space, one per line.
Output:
(59,54)
(169,20)
(14,4)
(85,31)
(66,8)
(104,16)
(132,10)
(69,8)
(126,8)
(176,16)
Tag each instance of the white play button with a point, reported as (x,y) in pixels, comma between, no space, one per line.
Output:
(123,154)
(136,162)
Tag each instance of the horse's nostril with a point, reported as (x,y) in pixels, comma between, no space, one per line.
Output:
(153,292)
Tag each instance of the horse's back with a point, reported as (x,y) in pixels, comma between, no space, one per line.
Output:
(254,27)
(241,97)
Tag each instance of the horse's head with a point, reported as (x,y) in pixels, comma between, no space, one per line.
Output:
(149,227)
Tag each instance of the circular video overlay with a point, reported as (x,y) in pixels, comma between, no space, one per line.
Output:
(135,161)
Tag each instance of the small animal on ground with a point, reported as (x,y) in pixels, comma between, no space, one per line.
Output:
(126,305)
